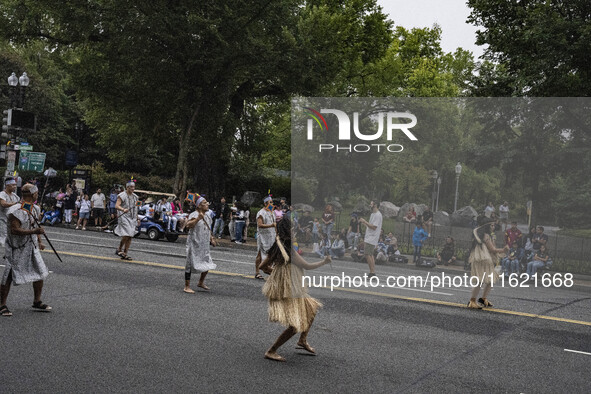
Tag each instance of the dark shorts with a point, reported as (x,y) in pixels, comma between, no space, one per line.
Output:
(112,211)
(369,249)
(98,212)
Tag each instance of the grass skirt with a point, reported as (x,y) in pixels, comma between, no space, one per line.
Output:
(289,302)
(483,264)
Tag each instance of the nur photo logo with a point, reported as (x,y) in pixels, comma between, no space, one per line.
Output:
(393,123)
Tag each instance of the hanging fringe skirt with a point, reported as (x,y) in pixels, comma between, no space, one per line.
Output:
(289,302)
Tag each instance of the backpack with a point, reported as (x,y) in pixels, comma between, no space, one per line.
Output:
(398,259)
(425,263)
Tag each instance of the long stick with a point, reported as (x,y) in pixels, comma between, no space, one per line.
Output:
(114,220)
(47,239)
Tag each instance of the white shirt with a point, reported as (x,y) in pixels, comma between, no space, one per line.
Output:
(12,197)
(372,237)
(84,205)
(149,210)
(166,207)
(98,200)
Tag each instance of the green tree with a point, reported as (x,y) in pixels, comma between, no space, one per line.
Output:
(542,45)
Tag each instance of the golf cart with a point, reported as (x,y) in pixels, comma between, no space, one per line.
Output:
(155,226)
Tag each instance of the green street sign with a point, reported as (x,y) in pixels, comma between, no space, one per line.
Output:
(31,161)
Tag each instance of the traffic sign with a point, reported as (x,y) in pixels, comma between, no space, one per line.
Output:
(22,147)
(31,161)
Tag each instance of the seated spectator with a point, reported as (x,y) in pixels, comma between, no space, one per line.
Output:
(315,230)
(511,262)
(541,260)
(359,254)
(427,219)
(323,246)
(354,232)
(513,234)
(343,232)
(528,245)
(392,245)
(381,251)
(148,208)
(447,255)
(337,249)
(539,238)
(411,216)
(305,227)
(52,217)
(177,212)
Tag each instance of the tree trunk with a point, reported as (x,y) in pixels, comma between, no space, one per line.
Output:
(182,168)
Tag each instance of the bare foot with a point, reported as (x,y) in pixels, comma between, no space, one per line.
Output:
(189,290)
(202,285)
(274,356)
(305,346)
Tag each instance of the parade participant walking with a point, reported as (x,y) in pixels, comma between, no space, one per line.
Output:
(483,258)
(372,236)
(289,302)
(198,241)
(266,230)
(24,263)
(128,220)
(8,198)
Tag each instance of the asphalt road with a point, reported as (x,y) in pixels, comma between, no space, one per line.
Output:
(128,327)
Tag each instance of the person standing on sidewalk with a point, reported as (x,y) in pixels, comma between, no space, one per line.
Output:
(222,212)
(266,231)
(128,219)
(97,204)
(372,236)
(24,263)
(83,211)
(418,237)
(198,241)
(69,206)
(8,198)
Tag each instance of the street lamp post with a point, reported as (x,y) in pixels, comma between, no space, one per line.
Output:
(17,100)
(438,186)
(458,172)
(434,176)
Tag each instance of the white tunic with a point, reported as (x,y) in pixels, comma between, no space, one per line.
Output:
(127,222)
(10,198)
(23,256)
(198,256)
(265,236)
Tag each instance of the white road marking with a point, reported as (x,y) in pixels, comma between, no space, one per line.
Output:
(577,351)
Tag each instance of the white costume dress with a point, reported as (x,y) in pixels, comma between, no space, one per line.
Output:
(198,256)
(265,236)
(9,198)
(127,222)
(23,257)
